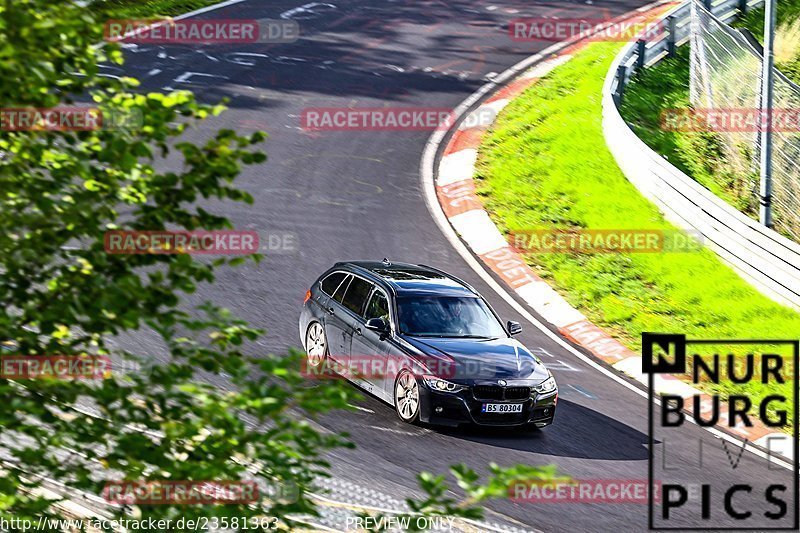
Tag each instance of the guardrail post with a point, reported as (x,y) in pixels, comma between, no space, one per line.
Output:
(671,25)
(743,6)
(640,50)
(622,72)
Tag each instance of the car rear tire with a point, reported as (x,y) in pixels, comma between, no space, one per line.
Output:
(316,346)
(407,397)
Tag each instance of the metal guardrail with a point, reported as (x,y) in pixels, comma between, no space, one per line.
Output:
(676,24)
(766,259)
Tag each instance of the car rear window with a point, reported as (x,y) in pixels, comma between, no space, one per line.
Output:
(340,292)
(332,282)
(356,294)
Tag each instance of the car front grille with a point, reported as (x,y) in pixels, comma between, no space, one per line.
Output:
(496,392)
(518,393)
(488,392)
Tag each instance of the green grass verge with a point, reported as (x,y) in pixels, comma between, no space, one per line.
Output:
(148,8)
(545,164)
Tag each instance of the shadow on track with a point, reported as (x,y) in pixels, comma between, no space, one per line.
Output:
(577,432)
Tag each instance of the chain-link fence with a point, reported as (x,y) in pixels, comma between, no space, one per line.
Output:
(726,79)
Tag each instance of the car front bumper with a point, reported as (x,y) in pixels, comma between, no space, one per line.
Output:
(454,409)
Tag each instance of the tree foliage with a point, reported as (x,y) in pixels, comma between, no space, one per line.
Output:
(196,403)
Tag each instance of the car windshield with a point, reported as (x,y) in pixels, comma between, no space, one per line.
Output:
(446,316)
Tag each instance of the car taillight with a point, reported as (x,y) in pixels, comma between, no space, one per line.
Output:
(308,296)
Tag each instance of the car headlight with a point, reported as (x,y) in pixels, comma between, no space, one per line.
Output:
(441,385)
(548,385)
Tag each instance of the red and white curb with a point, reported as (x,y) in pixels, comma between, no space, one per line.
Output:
(455,191)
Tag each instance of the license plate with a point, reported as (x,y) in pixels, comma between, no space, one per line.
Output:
(502,408)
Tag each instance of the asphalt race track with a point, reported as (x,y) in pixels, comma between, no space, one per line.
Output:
(356,195)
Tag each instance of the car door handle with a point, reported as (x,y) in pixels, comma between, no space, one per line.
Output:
(358,331)
(330,310)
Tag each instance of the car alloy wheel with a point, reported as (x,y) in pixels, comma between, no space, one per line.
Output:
(406,397)
(316,347)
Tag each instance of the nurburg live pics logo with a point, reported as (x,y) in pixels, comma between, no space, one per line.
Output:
(715,484)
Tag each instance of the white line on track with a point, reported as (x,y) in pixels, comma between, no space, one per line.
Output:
(395,431)
(361,408)
(207,9)
(583,391)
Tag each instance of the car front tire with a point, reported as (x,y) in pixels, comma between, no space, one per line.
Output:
(407,397)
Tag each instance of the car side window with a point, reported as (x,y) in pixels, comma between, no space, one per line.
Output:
(378,307)
(356,295)
(332,282)
(342,290)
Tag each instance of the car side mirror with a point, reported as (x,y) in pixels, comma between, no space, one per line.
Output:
(514,328)
(378,324)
